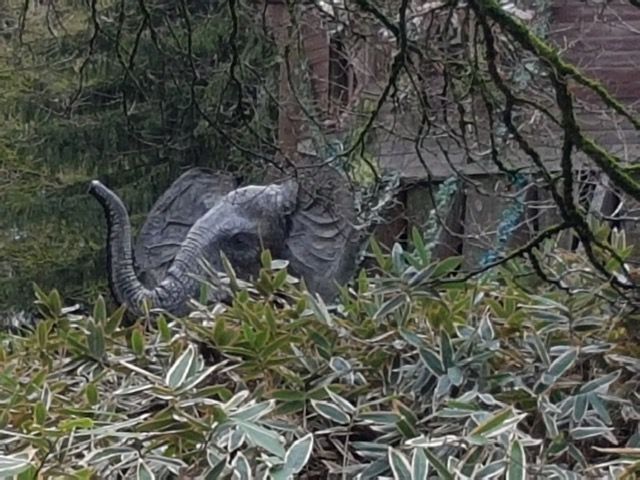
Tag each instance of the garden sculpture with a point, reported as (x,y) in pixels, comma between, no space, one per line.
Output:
(308,223)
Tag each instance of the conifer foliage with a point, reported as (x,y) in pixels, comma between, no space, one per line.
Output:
(130,92)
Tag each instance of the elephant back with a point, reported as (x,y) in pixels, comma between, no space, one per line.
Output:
(324,242)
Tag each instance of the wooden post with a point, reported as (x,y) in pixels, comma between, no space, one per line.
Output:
(314,47)
(278,21)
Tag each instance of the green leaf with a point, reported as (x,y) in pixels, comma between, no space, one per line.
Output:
(280,279)
(179,371)
(41,296)
(363,282)
(397,257)
(563,363)
(493,423)
(418,245)
(517,462)
(91,392)
(279,472)
(540,348)
(399,465)
(375,470)
(163,328)
(266,259)
(221,335)
(42,333)
(288,395)
(137,342)
(600,382)
(390,306)
(330,411)
(412,338)
(432,361)
(217,467)
(31,473)
(579,407)
(73,423)
(114,320)
(229,271)
(82,474)
(557,368)
(408,421)
(344,404)
(381,259)
(421,276)
(241,467)
(447,266)
(439,466)
(419,465)
(598,405)
(320,309)
(143,472)
(253,412)
(107,453)
(39,413)
(262,437)
(95,340)
(582,433)
(493,470)
(299,453)
(55,302)
(10,466)
(446,349)
(380,417)
(100,311)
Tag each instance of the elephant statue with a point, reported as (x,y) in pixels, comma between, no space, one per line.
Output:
(309,221)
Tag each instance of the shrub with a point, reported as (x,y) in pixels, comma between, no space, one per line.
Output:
(416,373)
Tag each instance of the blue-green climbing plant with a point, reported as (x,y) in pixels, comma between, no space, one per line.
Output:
(509,222)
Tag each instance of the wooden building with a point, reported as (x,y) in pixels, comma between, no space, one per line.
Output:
(601,39)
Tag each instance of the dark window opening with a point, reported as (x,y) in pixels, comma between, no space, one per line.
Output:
(341,77)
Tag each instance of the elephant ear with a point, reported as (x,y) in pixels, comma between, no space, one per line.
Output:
(323,243)
(171,218)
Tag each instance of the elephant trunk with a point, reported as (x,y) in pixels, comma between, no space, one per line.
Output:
(174,290)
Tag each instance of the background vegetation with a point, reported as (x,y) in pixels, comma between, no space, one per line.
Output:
(130,93)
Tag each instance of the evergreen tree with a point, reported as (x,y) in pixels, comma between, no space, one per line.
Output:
(130,92)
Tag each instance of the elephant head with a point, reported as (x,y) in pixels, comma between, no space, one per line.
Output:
(203,214)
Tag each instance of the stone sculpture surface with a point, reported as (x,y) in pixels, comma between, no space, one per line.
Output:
(309,222)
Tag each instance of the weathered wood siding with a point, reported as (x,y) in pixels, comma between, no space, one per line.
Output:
(603,40)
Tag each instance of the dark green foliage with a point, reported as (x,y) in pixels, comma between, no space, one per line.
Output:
(130,93)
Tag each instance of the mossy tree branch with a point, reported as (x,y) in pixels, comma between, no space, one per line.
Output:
(610,164)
